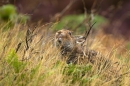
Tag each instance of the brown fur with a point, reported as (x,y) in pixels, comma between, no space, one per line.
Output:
(70,47)
(73,52)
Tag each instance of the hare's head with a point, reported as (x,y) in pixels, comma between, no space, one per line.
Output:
(64,38)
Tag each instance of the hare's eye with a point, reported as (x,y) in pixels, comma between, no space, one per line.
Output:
(69,33)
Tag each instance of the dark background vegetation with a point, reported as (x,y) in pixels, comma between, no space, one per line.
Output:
(116,11)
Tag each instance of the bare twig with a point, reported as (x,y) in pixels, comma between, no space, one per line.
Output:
(26,40)
(18,46)
(85,10)
(85,19)
(39,4)
(59,15)
(87,33)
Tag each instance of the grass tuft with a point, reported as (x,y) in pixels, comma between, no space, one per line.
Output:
(29,58)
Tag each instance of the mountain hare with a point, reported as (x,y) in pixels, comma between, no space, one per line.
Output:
(70,46)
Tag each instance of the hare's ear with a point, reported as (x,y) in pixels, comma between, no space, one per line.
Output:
(70,33)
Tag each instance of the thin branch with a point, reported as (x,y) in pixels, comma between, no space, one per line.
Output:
(18,46)
(85,10)
(39,4)
(87,33)
(26,40)
(85,19)
(59,15)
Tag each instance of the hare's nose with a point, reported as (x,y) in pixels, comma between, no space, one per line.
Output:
(59,40)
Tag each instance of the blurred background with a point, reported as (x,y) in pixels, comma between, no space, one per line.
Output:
(115,12)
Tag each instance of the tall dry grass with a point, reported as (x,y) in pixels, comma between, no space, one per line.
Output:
(28,57)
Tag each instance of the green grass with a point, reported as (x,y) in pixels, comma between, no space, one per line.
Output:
(39,64)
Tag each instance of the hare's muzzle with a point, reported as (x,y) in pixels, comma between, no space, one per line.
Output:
(59,40)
